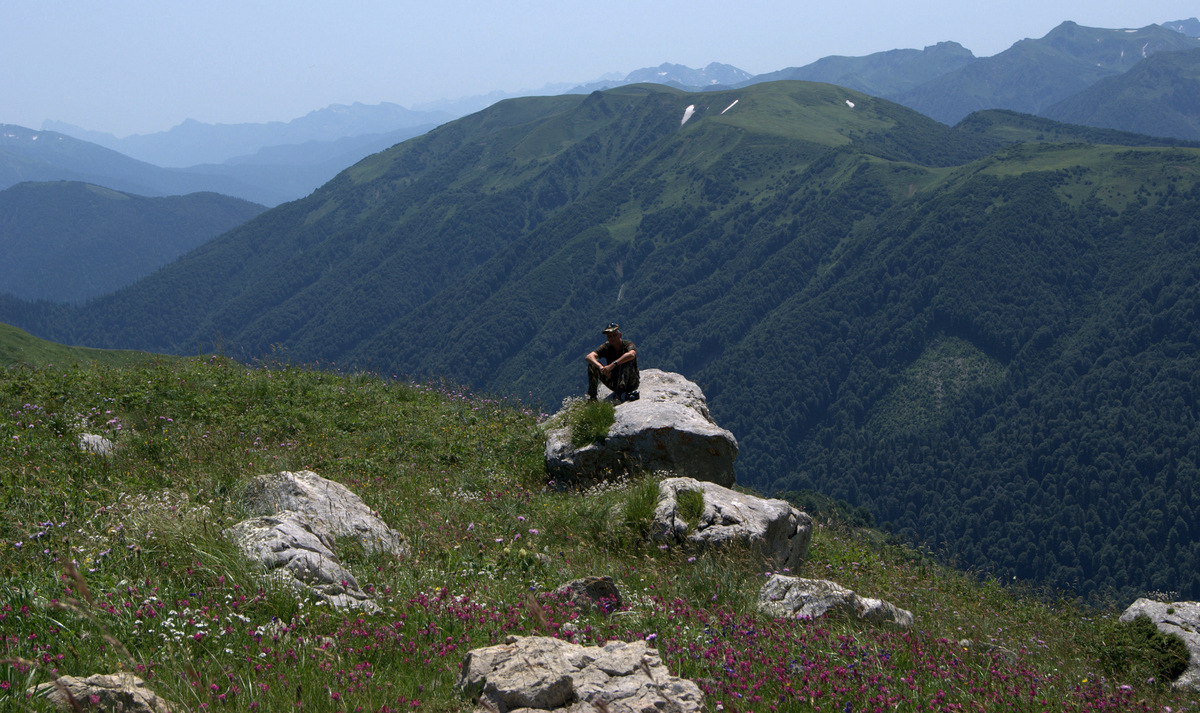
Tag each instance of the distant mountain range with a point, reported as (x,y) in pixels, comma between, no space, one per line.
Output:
(29,155)
(274,162)
(69,242)
(1189,27)
(193,143)
(1159,96)
(882,73)
(1033,75)
(271,176)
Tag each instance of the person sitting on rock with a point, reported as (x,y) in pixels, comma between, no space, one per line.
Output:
(619,371)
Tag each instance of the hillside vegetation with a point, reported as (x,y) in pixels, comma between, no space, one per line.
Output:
(119,563)
(989,345)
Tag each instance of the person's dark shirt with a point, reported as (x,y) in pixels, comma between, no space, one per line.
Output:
(610,353)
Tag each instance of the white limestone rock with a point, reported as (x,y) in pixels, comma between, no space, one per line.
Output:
(538,673)
(668,429)
(774,529)
(795,597)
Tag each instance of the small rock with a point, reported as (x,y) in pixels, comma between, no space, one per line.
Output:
(588,592)
(116,692)
(99,445)
(794,597)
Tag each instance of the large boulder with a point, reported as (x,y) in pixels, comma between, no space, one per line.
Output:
(330,506)
(795,597)
(299,518)
(1180,618)
(542,673)
(289,548)
(773,529)
(115,692)
(669,429)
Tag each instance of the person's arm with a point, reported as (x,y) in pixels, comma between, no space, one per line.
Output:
(593,359)
(625,358)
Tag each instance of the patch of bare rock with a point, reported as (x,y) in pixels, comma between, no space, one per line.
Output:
(116,692)
(795,597)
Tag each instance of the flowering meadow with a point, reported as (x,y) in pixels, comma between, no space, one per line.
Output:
(119,563)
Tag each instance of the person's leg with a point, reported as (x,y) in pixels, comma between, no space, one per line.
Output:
(626,382)
(593,380)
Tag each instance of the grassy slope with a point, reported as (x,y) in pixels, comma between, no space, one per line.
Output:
(119,563)
(20,347)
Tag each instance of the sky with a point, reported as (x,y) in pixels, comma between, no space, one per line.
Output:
(142,66)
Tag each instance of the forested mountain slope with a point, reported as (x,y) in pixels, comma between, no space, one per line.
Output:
(992,348)
(68,242)
(1159,96)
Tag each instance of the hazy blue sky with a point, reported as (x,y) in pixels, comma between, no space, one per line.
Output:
(138,66)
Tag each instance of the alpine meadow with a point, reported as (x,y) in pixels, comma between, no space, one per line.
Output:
(983,335)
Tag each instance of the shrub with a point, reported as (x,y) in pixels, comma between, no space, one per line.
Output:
(590,421)
(1139,651)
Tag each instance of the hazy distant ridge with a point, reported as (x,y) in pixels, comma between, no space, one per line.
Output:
(193,142)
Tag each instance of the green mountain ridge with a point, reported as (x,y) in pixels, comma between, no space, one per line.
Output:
(985,343)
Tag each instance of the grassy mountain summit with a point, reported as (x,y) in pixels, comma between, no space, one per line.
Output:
(985,343)
(121,563)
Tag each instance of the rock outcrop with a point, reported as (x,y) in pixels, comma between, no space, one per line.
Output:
(294,536)
(542,673)
(116,692)
(668,429)
(773,529)
(794,597)
(1180,618)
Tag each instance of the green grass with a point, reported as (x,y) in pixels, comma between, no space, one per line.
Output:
(587,421)
(120,563)
(691,507)
(20,347)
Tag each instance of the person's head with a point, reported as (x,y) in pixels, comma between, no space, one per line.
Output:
(612,333)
